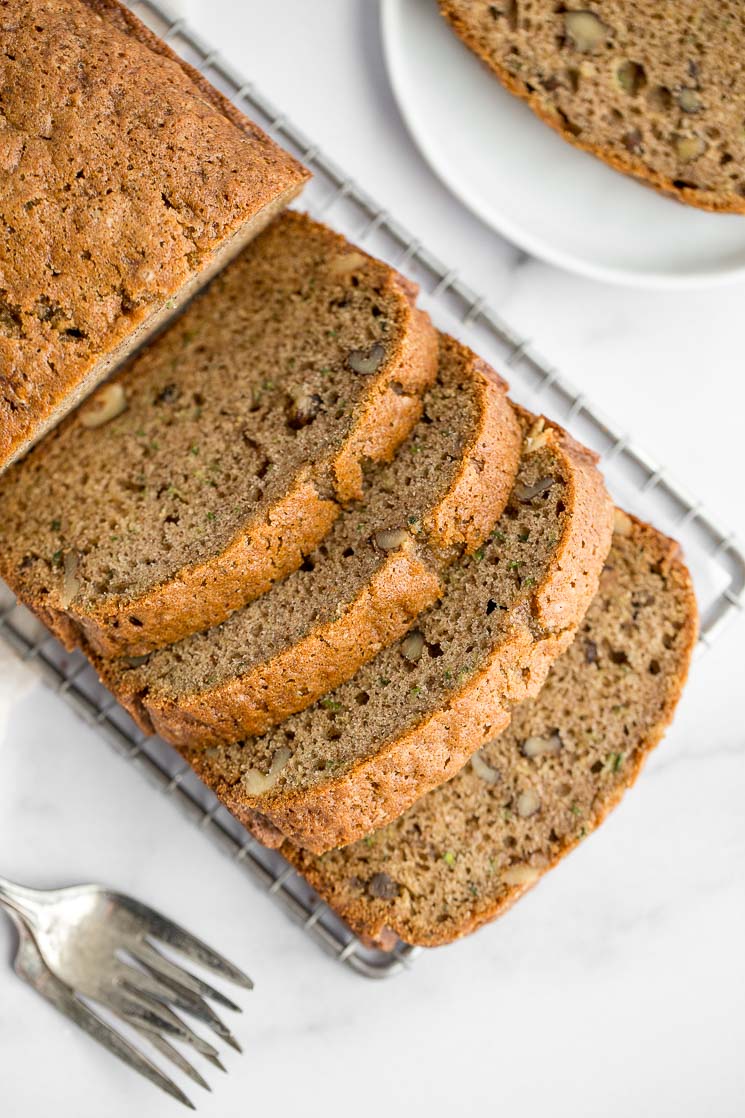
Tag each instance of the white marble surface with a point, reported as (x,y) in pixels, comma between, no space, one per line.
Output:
(618,986)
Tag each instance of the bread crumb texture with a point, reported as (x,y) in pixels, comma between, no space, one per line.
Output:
(415,713)
(360,590)
(466,851)
(654,87)
(225,449)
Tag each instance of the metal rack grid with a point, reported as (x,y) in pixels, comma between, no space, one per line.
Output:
(634,478)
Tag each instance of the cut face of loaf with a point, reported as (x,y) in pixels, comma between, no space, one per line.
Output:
(359,591)
(126,182)
(217,460)
(466,851)
(653,88)
(413,715)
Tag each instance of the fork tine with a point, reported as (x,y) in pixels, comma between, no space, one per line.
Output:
(217,1062)
(195,949)
(137,1012)
(168,990)
(174,935)
(148,956)
(31,967)
(173,1055)
(136,1006)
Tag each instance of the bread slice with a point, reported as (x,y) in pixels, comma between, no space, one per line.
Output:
(414,715)
(127,181)
(654,89)
(217,459)
(359,591)
(466,851)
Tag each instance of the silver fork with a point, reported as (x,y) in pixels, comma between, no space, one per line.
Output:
(86,943)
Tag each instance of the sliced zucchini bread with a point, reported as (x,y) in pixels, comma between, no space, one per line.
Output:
(655,88)
(466,851)
(126,181)
(412,716)
(359,591)
(217,460)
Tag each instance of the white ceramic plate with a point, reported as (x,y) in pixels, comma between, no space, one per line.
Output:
(524,180)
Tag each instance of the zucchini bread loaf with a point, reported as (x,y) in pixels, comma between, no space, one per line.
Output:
(413,715)
(654,87)
(466,851)
(211,465)
(359,591)
(126,181)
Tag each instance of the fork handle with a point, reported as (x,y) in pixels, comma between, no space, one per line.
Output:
(17,898)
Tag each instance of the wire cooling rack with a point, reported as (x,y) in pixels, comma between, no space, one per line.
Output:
(636,481)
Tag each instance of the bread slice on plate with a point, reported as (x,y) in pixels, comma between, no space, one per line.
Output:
(468,850)
(359,591)
(412,716)
(217,460)
(654,89)
(127,181)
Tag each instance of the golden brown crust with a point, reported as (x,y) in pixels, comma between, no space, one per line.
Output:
(394,405)
(571,580)
(481,488)
(113,229)
(367,919)
(626,163)
(405,584)
(124,18)
(379,788)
